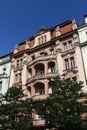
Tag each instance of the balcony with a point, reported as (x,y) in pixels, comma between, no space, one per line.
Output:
(41,58)
(38,122)
(36,77)
(39,97)
(42,76)
(68,52)
(69,71)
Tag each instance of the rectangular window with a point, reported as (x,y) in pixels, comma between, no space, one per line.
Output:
(33,57)
(17,63)
(65,46)
(41,71)
(39,41)
(72,62)
(16,78)
(41,91)
(66,64)
(0,87)
(52,51)
(20,77)
(70,44)
(42,54)
(21,62)
(74,79)
(52,70)
(44,39)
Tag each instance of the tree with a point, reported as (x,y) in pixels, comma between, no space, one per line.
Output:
(65,108)
(15,111)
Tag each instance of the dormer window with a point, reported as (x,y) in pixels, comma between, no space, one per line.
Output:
(42,39)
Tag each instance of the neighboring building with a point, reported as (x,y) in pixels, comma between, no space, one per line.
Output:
(5,68)
(82,30)
(49,53)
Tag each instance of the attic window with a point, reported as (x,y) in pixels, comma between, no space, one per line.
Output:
(42,39)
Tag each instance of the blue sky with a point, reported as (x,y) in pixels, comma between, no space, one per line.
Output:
(20,19)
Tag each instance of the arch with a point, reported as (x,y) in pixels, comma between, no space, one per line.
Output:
(39,88)
(39,68)
(51,67)
(28,91)
(30,72)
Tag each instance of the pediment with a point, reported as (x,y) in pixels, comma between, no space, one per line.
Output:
(41,31)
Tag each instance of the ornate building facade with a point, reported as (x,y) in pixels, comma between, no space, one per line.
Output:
(49,53)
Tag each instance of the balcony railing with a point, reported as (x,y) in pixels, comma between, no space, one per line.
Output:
(39,97)
(42,76)
(36,77)
(41,58)
(38,122)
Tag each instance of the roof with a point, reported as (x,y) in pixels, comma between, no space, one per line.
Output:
(9,54)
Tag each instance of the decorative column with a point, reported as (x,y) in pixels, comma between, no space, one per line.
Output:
(24,71)
(12,75)
(46,68)
(46,87)
(32,90)
(33,71)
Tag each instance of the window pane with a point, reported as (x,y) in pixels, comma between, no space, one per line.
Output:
(72,62)
(65,46)
(66,64)
(70,44)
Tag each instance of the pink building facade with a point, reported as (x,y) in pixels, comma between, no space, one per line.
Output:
(49,53)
